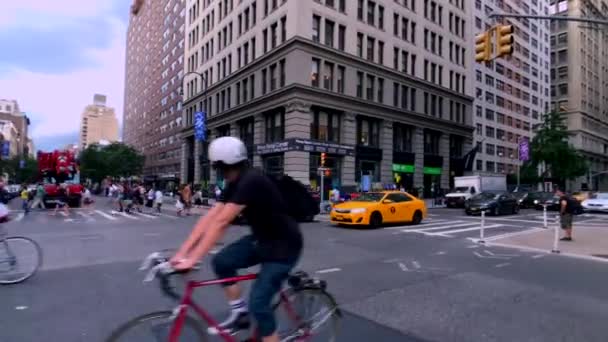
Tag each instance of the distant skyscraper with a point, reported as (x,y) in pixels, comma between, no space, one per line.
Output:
(511,93)
(98,123)
(9,111)
(153,80)
(579,76)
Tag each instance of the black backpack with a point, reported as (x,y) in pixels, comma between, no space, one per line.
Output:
(300,203)
(574,206)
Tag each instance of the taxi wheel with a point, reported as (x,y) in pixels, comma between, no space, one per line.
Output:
(417,217)
(375,220)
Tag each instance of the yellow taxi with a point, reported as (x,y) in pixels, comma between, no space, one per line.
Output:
(376,208)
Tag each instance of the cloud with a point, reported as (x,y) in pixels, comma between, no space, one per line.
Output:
(56,101)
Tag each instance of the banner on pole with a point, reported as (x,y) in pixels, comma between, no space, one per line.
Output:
(200,126)
(524,149)
(6,148)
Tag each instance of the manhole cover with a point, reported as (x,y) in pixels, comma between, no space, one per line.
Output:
(605,256)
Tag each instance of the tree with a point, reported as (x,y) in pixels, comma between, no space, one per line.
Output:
(18,172)
(550,148)
(114,160)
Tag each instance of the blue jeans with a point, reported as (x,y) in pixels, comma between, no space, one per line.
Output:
(242,254)
(25,206)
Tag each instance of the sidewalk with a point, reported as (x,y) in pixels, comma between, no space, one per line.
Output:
(590,242)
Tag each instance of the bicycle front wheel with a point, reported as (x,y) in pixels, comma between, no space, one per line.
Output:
(20,258)
(308,314)
(155,327)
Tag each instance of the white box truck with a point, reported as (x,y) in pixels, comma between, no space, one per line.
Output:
(467,186)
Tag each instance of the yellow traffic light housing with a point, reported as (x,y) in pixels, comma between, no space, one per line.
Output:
(483,47)
(504,40)
(323,159)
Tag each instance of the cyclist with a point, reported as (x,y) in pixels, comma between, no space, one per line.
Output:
(275,241)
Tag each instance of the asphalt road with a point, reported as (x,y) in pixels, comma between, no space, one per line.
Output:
(399,283)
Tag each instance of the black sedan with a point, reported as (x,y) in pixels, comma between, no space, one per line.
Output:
(493,203)
(531,199)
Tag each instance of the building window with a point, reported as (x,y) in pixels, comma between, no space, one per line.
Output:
(264,77)
(370,48)
(275,126)
(328,76)
(325,125)
(341,75)
(360,10)
(314,76)
(283,29)
(316,28)
(359,84)
(273,35)
(341,37)
(371,12)
(368,132)
(282,73)
(360,44)
(370,87)
(273,77)
(402,138)
(431,142)
(329,33)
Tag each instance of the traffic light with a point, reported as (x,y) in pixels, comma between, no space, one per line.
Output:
(483,47)
(323,159)
(504,40)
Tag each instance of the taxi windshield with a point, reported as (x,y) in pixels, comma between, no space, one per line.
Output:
(370,197)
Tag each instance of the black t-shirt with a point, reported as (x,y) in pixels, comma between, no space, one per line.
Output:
(277,233)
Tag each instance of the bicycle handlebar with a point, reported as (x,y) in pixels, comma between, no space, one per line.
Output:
(158,266)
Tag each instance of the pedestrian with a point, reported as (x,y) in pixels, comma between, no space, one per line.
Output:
(566,211)
(25,199)
(87,200)
(62,200)
(39,197)
(218,193)
(158,200)
(187,199)
(127,198)
(137,197)
(150,199)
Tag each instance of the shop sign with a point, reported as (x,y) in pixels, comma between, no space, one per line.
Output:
(403,168)
(432,170)
(296,144)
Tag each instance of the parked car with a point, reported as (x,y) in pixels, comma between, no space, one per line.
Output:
(553,205)
(492,202)
(532,198)
(597,202)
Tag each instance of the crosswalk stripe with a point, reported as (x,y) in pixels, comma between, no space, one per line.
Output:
(19,217)
(169,216)
(145,215)
(109,217)
(127,215)
(468,229)
(63,214)
(437,222)
(88,217)
(448,226)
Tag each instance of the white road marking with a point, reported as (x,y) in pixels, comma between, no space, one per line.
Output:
(127,215)
(145,215)
(68,220)
(447,227)
(403,267)
(416,264)
(86,216)
(109,217)
(503,265)
(21,307)
(488,252)
(19,217)
(473,246)
(440,253)
(502,236)
(506,219)
(329,270)
(467,229)
(169,216)
(63,214)
(538,256)
(422,225)
(390,261)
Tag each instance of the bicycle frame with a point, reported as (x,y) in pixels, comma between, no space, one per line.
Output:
(187,302)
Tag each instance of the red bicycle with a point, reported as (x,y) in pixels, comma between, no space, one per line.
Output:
(297,320)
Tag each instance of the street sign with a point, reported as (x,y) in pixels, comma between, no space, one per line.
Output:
(6,148)
(524,149)
(200,126)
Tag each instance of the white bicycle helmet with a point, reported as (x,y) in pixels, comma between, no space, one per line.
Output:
(227,151)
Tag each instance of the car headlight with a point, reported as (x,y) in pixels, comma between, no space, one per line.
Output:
(358,211)
(535,201)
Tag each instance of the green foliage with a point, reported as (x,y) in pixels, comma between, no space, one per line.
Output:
(17,174)
(550,147)
(114,160)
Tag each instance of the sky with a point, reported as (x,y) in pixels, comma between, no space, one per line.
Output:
(56,54)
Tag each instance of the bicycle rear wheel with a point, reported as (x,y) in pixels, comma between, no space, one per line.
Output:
(20,258)
(155,327)
(307,315)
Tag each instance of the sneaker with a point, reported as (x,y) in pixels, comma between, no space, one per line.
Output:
(566,239)
(235,323)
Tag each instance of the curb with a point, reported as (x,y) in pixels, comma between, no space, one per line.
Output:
(547,251)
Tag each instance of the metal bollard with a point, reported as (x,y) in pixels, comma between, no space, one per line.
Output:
(556,236)
(545,216)
(482,227)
